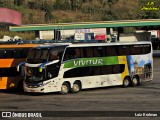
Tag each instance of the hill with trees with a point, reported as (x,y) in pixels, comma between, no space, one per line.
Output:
(61,11)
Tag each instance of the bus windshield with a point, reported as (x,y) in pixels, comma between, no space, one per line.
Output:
(38,55)
(45,54)
(33,74)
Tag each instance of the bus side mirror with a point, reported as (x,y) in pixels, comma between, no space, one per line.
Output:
(20,68)
(20,65)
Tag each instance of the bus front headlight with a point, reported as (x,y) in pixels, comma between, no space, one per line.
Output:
(49,75)
(40,84)
(45,83)
(40,69)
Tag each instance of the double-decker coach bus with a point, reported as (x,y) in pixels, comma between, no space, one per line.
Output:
(70,68)
(10,56)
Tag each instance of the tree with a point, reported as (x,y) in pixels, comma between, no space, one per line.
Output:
(124,9)
(48,12)
(30,17)
(18,2)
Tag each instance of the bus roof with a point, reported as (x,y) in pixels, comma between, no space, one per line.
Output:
(109,44)
(90,44)
(18,45)
(51,45)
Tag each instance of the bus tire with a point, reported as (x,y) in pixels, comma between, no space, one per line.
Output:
(76,87)
(126,82)
(20,86)
(64,88)
(135,81)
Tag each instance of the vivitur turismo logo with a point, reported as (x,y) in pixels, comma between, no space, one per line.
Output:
(151,6)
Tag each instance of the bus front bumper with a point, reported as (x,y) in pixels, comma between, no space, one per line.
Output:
(40,89)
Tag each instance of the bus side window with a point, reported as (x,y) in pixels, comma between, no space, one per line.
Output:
(146,50)
(70,54)
(53,56)
(111,51)
(2,54)
(44,53)
(5,53)
(78,53)
(102,51)
(118,68)
(25,52)
(99,51)
(18,53)
(127,50)
(135,50)
(108,69)
(123,50)
(9,53)
(88,52)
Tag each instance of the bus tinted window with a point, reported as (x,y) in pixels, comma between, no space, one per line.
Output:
(73,53)
(99,51)
(9,72)
(123,50)
(38,55)
(111,51)
(103,51)
(135,50)
(107,69)
(94,70)
(70,54)
(55,53)
(118,68)
(79,53)
(13,53)
(88,52)
(146,49)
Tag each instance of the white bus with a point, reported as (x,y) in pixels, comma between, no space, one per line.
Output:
(72,67)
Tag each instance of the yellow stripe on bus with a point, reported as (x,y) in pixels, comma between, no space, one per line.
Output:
(3,82)
(123,60)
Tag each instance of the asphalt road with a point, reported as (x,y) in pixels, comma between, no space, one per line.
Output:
(145,97)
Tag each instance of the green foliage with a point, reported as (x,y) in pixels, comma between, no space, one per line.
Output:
(61,11)
(48,12)
(24,35)
(45,10)
(30,17)
(18,2)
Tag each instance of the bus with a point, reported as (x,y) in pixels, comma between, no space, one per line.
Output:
(10,56)
(68,68)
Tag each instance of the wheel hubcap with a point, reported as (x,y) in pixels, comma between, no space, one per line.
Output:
(126,82)
(135,81)
(76,87)
(64,89)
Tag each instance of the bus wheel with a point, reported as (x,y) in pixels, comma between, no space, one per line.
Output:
(76,87)
(20,86)
(126,82)
(135,81)
(64,88)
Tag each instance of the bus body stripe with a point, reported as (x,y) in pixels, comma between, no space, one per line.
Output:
(3,82)
(96,61)
(123,60)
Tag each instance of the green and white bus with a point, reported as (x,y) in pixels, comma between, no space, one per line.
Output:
(71,67)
